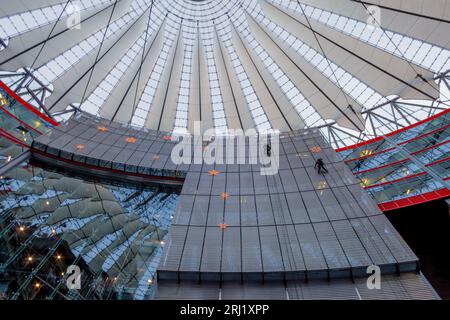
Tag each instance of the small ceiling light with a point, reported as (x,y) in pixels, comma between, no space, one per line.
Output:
(47,202)
(316,149)
(58,257)
(37,285)
(22,228)
(30,259)
(102,129)
(162,243)
(80,146)
(150,281)
(53,231)
(213,172)
(225,195)
(223,226)
(322,185)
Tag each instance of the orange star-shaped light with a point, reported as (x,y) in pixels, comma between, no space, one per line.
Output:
(156,157)
(213,172)
(131,140)
(167,138)
(316,149)
(225,195)
(102,128)
(80,146)
(223,226)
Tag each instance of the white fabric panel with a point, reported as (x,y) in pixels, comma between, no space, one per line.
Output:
(271,110)
(124,41)
(206,112)
(58,44)
(194,99)
(154,116)
(126,110)
(427,30)
(423,7)
(289,113)
(230,107)
(241,104)
(376,77)
(170,106)
(296,68)
(8,8)
(369,69)
(398,69)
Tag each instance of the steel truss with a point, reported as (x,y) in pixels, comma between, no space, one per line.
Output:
(387,117)
(27,86)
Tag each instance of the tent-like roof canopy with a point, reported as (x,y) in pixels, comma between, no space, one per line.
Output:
(357,69)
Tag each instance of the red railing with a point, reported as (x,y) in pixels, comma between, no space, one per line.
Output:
(411,201)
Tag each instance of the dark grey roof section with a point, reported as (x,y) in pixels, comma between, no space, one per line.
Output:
(296,224)
(295,228)
(407,286)
(79,144)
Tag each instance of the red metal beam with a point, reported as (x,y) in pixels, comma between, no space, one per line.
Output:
(414,200)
